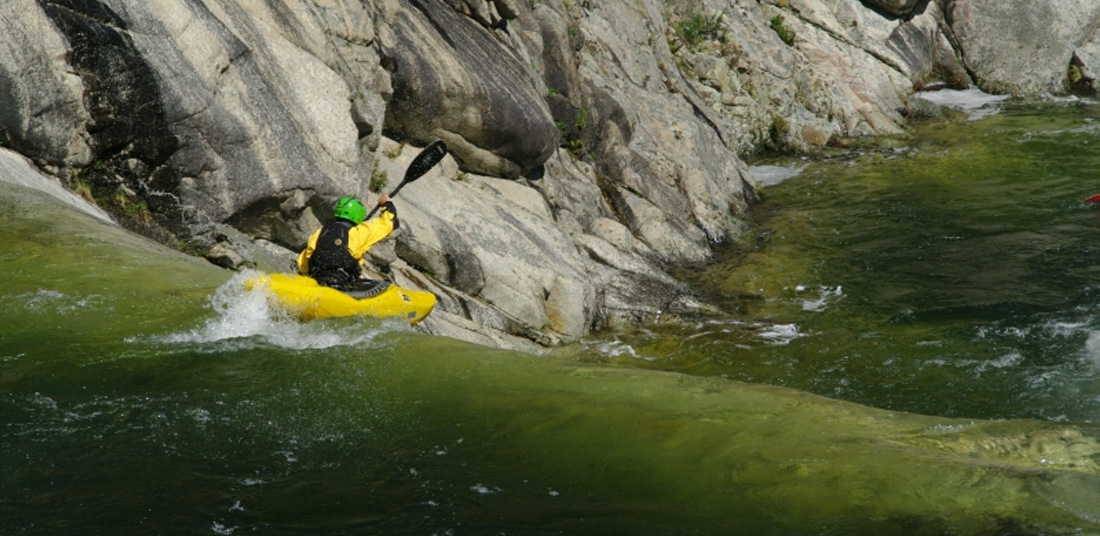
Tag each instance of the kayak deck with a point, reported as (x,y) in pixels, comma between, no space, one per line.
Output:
(307,299)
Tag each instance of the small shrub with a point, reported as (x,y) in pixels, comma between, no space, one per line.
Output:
(571,134)
(785,34)
(138,210)
(83,189)
(699,28)
(378,180)
(1078,82)
(394,152)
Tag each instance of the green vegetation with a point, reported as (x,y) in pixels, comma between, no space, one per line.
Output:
(779,131)
(1074,74)
(571,134)
(1076,78)
(699,28)
(83,189)
(782,31)
(378,180)
(135,210)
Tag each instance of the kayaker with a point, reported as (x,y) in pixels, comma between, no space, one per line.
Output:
(334,254)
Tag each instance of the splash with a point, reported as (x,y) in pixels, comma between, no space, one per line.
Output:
(247,317)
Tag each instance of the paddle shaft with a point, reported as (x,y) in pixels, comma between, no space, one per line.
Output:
(426,160)
(393,193)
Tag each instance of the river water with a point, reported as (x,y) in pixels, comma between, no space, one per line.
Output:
(910,344)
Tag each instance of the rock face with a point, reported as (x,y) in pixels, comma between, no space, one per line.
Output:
(593,144)
(50,124)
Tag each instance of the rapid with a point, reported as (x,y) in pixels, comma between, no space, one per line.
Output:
(908,344)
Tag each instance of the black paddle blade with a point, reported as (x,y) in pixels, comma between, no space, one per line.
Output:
(427,159)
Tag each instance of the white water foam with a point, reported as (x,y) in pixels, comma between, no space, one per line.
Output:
(247,316)
(772,175)
(1089,131)
(1092,348)
(49,300)
(976,103)
(825,296)
(617,348)
(780,334)
(484,490)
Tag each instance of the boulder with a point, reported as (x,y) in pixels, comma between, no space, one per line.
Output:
(1021,48)
(896,8)
(454,80)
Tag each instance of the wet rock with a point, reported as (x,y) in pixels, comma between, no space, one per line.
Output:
(225,256)
(919,108)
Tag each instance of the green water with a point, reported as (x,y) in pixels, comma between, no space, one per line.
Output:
(958,276)
(940,297)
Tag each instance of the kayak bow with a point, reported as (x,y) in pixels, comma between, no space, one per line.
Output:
(305,298)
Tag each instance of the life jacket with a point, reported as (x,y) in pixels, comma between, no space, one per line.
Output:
(331,264)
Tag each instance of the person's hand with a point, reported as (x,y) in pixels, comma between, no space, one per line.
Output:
(383,199)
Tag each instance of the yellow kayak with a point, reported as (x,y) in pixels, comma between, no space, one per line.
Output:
(307,299)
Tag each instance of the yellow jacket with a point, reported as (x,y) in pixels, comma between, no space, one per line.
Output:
(360,239)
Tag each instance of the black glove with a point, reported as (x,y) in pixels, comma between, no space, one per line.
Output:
(389,207)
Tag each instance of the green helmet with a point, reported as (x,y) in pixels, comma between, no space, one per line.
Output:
(350,208)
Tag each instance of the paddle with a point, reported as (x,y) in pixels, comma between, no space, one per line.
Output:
(1093,199)
(427,159)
